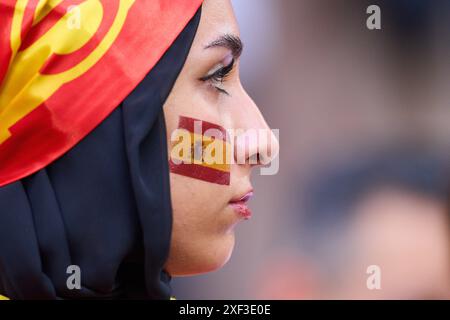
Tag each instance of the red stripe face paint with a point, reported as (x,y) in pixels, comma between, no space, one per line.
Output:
(201,150)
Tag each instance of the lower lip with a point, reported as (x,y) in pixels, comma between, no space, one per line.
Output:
(242,209)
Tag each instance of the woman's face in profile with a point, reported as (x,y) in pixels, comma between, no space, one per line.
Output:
(209,200)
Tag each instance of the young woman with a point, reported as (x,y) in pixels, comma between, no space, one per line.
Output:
(100,208)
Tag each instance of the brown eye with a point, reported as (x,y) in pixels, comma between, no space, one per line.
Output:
(218,76)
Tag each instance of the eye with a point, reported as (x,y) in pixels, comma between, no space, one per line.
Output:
(218,75)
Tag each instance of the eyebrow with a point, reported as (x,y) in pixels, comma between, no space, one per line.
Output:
(230,42)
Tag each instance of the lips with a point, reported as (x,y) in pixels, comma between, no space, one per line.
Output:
(240,205)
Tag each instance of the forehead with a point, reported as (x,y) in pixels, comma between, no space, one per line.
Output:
(217,19)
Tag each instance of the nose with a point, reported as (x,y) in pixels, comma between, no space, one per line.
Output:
(255,142)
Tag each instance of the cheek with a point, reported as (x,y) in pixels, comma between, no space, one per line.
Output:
(201,237)
(198,207)
(201,150)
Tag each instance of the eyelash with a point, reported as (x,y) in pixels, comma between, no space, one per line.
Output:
(219,76)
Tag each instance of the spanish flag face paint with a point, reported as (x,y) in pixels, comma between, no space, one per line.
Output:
(201,150)
(65,65)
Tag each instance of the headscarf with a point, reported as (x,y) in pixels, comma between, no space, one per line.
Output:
(100,198)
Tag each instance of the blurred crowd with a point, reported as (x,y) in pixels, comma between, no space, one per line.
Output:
(363,187)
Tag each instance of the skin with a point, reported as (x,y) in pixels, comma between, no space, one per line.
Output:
(203,219)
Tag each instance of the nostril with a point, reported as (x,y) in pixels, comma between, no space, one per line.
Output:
(256,146)
(255,159)
(268,146)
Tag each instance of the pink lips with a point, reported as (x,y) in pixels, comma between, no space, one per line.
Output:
(240,206)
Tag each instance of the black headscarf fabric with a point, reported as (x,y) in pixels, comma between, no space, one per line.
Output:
(104,206)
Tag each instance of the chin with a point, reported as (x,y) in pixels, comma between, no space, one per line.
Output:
(212,256)
(217,256)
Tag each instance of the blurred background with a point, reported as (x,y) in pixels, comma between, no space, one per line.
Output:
(364,119)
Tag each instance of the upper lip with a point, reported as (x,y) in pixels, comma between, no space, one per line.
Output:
(243,197)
